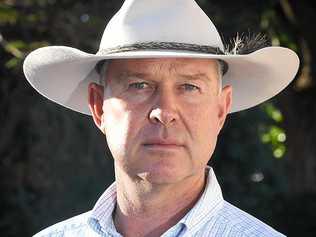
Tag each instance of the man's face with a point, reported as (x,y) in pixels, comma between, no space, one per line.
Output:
(162,117)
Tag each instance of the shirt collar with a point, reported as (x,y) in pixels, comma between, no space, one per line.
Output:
(101,216)
(207,206)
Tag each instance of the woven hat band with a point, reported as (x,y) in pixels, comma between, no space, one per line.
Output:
(206,49)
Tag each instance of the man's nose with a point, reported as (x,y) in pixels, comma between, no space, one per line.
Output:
(164,110)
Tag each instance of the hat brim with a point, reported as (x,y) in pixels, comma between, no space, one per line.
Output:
(62,74)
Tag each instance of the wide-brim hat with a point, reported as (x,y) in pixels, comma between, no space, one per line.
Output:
(160,29)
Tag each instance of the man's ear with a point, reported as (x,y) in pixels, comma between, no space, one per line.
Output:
(225,104)
(95,100)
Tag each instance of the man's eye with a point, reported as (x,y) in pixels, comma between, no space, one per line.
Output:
(138,85)
(190,87)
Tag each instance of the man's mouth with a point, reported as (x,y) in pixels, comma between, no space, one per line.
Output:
(163,144)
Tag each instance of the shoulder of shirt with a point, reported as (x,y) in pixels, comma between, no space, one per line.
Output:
(235,221)
(60,229)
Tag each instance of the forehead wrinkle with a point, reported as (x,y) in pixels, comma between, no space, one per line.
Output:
(128,74)
(159,69)
(178,69)
(174,67)
(164,67)
(167,67)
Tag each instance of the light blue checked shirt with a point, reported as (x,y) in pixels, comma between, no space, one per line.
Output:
(211,216)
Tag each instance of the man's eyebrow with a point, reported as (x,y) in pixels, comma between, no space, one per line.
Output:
(121,76)
(125,74)
(196,76)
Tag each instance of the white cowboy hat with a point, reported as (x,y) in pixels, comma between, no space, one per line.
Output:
(158,29)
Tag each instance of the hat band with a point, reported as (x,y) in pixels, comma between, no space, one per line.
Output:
(164,46)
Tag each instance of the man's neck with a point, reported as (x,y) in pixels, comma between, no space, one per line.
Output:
(146,209)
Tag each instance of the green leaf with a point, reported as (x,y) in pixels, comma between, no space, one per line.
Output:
(279,151)
(273,112)
(12,63)
(18,44)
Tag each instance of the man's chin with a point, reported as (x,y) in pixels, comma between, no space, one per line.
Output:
(162,175)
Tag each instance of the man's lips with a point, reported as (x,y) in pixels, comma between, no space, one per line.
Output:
(160,143)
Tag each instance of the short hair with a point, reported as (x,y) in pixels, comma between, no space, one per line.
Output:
(220,71)
(102,67)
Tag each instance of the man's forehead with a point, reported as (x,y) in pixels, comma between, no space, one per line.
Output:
(178,65)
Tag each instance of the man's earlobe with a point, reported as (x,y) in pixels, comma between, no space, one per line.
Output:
(95,100)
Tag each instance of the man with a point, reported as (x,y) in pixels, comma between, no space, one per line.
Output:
(160,88)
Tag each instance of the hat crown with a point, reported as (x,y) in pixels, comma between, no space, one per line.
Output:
(181,21)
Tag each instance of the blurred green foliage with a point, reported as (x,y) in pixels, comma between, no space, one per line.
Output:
(273,134)
(55,164)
